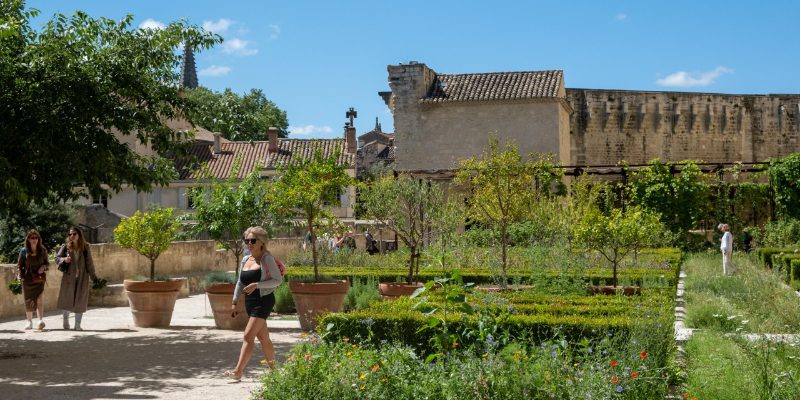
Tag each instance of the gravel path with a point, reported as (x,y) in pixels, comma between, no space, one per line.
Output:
(112,359)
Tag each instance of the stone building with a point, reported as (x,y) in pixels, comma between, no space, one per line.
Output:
(441,118)
(374,148)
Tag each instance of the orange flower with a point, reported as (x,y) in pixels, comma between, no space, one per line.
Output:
(307,356)
(613,363)
(375,367)
(455,344)
(643,355)
(634,375)
(347,339)
(614,380)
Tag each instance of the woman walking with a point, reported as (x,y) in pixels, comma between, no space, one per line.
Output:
(75,261)
(32,269)
(259,275)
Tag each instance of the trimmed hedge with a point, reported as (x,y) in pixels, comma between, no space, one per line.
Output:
(766,254)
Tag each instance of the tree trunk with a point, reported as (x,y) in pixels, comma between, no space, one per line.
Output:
(313,248)
(152,269)
(410,277)
(504,244)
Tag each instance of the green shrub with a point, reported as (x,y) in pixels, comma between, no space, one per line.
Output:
(217,277)
(284,302)
(785,232)
(361,294)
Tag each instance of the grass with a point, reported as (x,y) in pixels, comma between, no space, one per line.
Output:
(752,300)
(731,368)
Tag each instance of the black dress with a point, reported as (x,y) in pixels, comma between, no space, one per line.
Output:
(256,305)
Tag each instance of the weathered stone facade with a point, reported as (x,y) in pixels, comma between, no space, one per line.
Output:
(580,126)
(637,126)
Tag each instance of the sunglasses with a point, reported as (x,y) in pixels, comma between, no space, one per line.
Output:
(250,241)
(34,238)
(72,234)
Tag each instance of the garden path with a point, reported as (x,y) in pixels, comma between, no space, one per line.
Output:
(112,359)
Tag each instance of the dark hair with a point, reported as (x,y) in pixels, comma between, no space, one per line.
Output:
(40,249)
(80,244)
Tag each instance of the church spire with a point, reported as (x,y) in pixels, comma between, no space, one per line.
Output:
(188,69)
(377,125)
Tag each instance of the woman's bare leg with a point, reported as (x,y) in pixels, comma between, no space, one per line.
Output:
(266,346)
(254,325)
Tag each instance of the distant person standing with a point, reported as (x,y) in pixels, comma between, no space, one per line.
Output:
(371,243)
(75,261)
(726,245)
(32,267)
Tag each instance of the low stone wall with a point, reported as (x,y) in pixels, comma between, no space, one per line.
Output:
(192,260)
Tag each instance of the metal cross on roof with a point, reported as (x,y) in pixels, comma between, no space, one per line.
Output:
(352,113)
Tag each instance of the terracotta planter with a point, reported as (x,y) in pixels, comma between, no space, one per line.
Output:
(614,290)
(393,290)
(220,296)
(152,303)
(313,299)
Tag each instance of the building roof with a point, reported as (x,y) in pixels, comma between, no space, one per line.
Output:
(200,133)
(291,151)
(220,165)
(376,133)
(495,86)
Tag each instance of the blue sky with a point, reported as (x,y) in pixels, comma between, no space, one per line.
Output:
(315,59)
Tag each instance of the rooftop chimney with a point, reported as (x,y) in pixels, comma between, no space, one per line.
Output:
(272,136)
(217,146)
(350,138)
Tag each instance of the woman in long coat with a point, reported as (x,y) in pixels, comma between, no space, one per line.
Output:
(73,296)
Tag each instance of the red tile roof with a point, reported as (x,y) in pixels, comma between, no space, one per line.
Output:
(495,86)
(219,165)
(292,150)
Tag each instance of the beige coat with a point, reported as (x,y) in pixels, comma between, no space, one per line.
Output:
(74,293)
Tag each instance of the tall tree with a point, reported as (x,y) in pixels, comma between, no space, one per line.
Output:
(245,117)
(66,89)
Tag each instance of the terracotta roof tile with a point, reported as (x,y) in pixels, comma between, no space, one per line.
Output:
(290,151)
(494,86)
(220,165)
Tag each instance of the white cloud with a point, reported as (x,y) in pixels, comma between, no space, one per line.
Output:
(687,79)
(275,31)
(215,70)
(309,129)
(218,27)
(238,46)
(621,17)
(151,24)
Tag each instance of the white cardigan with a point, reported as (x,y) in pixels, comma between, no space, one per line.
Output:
(270,277)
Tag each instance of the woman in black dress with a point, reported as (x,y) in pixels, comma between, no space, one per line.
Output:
(32,265)
(259,275)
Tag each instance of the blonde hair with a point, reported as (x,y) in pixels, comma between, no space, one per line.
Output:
(261,234)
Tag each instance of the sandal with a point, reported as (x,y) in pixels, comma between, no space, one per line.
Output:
(233,376)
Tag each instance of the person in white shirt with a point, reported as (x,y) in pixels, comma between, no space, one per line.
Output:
(726,245)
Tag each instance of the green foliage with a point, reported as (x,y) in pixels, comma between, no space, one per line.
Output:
(15,286)
(361,294)
(284,302)
(99,283)
(783,232)
(148,233)
(784,173)
(416,210)
(225,209)
(680,199)
(503,187)
(217,277)
(67,85)
(617,234)
(51,220)
(237,117)
(305,188)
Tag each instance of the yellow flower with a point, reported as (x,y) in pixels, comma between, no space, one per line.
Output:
(362,377)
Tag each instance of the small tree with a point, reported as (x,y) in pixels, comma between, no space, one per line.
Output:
(784,175)
(411,208)
(503,187)
(226,208)
(148,233)
(306,189)
(615,235)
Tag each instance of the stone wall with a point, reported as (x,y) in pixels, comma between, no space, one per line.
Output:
(637,126)
(191,259)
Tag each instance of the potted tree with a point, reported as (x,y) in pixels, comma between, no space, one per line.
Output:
(224,209)
(149,234)
(304,191)
(416,211)
(614,236)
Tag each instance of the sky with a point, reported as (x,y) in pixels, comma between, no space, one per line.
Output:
(316,59)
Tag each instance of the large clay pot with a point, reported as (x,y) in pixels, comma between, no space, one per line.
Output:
(312,299)
(152,303)
(393,290)
(220,296)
